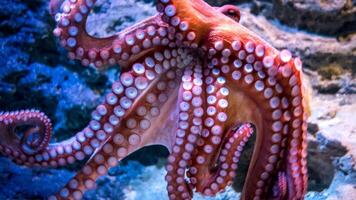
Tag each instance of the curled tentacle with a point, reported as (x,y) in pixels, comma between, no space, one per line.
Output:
(25,137)
(130,86)
(24,132)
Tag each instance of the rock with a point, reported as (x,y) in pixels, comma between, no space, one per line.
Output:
(18,182)
(334,115)
(326,81)
(316,51)
(347,165)
(329,115)
(32,75)
(348,85)
(313,128)
(135,181)
(343,85)
(329,87)
(326,17)
(334,146)
(343,185)
(54,90)
(322,152)
(113,15)
(223,2)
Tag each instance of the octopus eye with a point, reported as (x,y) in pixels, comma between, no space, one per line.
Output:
(231,11)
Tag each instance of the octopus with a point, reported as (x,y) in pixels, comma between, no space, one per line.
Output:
(194,80)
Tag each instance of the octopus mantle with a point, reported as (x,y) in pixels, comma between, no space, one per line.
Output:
(194,80)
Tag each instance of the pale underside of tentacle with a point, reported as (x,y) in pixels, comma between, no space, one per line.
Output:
(122,48)
(269,83)
(151,120)
(24,132)
(129,88)
(193,80)
(191,111)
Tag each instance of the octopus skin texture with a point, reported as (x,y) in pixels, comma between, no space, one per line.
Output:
(194,80)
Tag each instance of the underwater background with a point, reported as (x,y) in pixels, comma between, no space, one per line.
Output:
(36,73)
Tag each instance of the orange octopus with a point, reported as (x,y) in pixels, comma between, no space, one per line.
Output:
(193,79)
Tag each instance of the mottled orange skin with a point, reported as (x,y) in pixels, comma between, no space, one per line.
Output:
(278,165)
(212,26)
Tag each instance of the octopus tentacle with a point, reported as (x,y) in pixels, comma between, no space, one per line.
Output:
(189,127)
(272,129)
(39,152)
(120,48)
(124,46)
(105,118)
(276,69)
(196,30)
(32,140)
(190,62)
(137,127)
(54,7)
(188,31)
(213,131)
(280,187)
(135,132)
(222,170)
(294,163)
(230,155)
(243,62)
(228,159)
